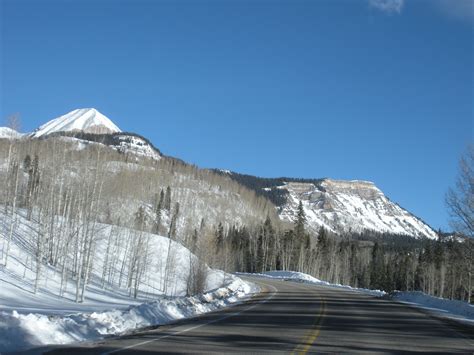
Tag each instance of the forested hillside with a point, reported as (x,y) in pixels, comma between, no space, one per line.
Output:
(365,260)
(68,184)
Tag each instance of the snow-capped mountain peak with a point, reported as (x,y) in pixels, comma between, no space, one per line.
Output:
(8,133)
(88,120)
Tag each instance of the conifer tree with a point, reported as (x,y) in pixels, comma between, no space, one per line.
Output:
(300,222)
(158,209)
(167,200)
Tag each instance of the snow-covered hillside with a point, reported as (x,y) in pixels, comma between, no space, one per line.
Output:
(137,146)
(82,122)
(339,206)
(87,120)
(8,133)
(110,262)
(51,315)
(342,206)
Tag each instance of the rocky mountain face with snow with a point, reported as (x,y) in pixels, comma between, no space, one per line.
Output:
(350,206)
(339,206)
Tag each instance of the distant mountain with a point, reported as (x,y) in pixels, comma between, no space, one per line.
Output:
(9,133)
(88,125)
(351,206)
(337,205)
(87,120)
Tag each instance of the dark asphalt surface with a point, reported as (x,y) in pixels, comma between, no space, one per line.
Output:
(289,317)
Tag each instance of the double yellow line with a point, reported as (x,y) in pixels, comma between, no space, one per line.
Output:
(309,339)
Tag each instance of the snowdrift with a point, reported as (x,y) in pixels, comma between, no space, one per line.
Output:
(110,306)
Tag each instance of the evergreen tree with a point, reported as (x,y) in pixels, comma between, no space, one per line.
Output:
(158,211)
(140,219)
(377,267)
(160,201)
(300,222)
(167,200)
(27,163)
(174,220)
(219,235)
(33,183)
(322,238)
(194,241)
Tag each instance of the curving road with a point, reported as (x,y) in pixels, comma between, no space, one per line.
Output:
(289,317)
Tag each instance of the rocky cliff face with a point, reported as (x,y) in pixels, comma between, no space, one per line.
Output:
(343,206)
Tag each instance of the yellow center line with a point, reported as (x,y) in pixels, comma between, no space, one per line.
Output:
(313,334)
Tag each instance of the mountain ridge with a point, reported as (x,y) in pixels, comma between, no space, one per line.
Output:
(340,206)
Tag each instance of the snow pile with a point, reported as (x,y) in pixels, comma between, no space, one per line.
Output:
(51,315)
(459,310)
(19,332)
(305,278)
(293,276)
(88,120)
(8,133)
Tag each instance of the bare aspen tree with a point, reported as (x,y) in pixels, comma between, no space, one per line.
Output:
(13,215)
(460,202)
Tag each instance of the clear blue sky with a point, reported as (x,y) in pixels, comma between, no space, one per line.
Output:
(379,90)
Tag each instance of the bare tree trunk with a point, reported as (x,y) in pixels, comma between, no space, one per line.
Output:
(13,218)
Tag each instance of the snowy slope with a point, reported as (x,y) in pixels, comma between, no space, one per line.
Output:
(136,146)
(88,120)
(47,317)
(9,133)
(343,206)
(17,278)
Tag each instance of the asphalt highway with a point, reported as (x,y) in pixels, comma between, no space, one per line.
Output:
(289,317)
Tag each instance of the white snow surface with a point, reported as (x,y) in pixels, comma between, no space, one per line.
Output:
(453,309)
(137,146)
(28,319)
(23,331)
(350,206)
(8,133)
(86,119)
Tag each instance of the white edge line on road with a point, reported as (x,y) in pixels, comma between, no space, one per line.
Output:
(441,318)
(197,326)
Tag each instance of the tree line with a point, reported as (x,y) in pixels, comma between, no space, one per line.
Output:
(366,260)
(69,192)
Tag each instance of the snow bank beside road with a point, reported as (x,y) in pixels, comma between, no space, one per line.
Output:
(23,331)
(458,310)
(51,316)
(305,278)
